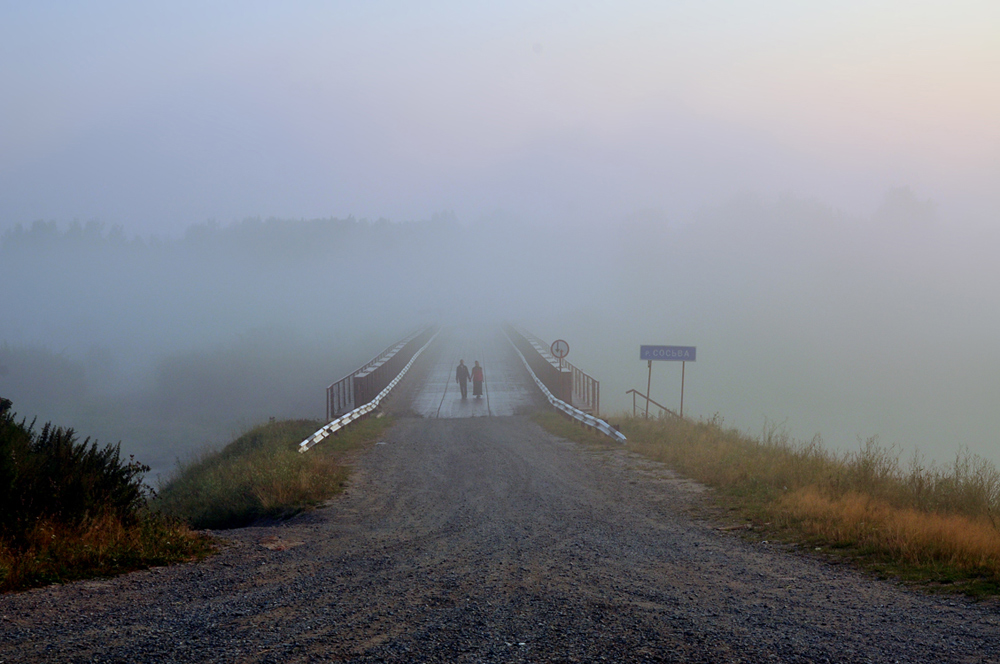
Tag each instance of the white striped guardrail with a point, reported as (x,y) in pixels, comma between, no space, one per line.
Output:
(361,411)
(577,414)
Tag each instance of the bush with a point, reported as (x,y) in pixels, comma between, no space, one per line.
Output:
(50,475)
(72,510)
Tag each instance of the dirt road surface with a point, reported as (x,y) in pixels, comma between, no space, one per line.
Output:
(487,539)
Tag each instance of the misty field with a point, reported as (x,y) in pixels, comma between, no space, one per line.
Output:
(920,522)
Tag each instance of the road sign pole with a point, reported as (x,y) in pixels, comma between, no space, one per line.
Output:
(649,382)
(683,364)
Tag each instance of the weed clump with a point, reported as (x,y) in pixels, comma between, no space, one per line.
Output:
(50,475)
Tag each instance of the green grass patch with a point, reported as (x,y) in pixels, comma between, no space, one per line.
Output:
(925,524)
(262,475)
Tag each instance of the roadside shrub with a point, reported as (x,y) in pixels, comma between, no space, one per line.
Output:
(52,475)
(72,510)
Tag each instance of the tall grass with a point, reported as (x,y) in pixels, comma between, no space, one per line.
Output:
(909,518)
(54,552)
(262,475)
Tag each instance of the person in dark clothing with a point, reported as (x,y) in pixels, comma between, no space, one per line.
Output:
(462,378)
(477,380)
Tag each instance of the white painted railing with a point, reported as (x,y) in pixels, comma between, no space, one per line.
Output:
(358,413)
(577,414)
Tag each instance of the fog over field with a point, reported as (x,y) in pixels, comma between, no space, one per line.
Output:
(210,211)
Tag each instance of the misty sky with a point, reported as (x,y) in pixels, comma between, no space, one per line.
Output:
(808,192)
(157,117)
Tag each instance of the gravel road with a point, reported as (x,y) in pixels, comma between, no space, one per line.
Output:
(491,540)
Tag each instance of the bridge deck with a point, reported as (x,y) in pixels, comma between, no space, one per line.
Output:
(508,388)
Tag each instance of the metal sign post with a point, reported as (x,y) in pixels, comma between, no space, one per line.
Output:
(560,349)
(682,354)
(649,382)
(683,366)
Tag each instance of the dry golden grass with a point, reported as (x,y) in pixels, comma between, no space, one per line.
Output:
(919,521)
(903,535)
(53,553)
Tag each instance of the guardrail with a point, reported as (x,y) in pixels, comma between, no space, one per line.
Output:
(584,418)
(566,380)
(359,387)
(372,404)
(542,364)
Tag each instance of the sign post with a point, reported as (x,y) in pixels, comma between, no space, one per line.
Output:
(560,349)
(649,383)
(683,366)
(682,354)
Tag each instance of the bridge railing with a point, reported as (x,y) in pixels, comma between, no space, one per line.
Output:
(364,410)
(361,386)
(558,381)
(570,383)
(586,391)
(568,409)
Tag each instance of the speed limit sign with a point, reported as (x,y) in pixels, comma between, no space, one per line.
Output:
(559,348)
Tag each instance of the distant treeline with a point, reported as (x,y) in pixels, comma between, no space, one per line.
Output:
(263,238)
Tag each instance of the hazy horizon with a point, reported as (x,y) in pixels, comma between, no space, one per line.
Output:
(809,194)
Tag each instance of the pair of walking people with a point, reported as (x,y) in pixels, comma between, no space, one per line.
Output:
(463,375)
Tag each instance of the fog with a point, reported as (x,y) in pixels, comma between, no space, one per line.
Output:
(209,212)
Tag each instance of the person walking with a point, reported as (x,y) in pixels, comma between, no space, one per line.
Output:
(477,380)
(462,377)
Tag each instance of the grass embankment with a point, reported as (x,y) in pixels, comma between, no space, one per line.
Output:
(72,510)
(936,526)
(262,475)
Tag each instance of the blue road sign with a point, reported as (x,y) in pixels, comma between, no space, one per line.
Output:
(675,353)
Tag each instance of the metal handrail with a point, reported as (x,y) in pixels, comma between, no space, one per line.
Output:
(586,388)
(649,401)
(361,411)
(577,414)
